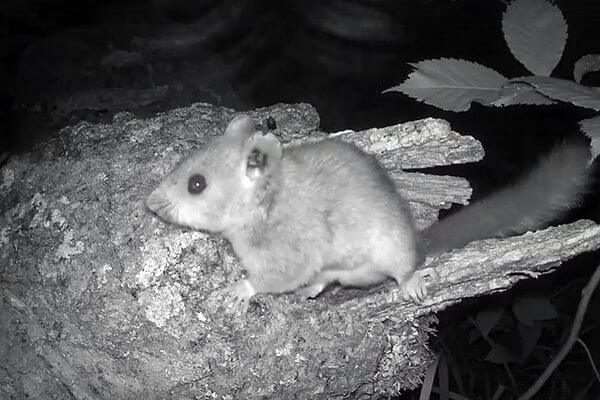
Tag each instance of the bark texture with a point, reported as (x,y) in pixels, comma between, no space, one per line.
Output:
(101,300)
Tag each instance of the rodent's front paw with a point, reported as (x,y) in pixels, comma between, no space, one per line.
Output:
(238,300)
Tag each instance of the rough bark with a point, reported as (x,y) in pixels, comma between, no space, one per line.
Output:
(101,300)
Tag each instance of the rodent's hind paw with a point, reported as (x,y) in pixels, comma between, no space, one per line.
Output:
(414,289)
(238,300)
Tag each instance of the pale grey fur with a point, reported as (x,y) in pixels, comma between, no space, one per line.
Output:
(554,186)
(336,210)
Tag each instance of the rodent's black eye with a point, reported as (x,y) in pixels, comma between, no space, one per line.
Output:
(196,184)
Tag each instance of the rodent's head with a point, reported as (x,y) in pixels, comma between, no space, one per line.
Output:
(224,186)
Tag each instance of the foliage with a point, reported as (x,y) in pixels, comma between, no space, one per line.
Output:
(510,343)
(535,31)
(512,335)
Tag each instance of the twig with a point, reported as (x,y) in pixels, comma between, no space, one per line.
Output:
(587,351)
(583,392)
(499,392)
(510,375)
(586,295)
(428,381)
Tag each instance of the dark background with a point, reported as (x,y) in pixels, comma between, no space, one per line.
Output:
(337,55)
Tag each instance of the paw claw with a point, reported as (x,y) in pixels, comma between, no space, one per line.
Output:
(237,301)
(414,289)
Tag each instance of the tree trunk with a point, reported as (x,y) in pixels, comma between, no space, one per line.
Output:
(101,300)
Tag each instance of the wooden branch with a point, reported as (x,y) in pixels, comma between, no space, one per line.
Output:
(419,144)
(103,300)
(487,266)
(428,194)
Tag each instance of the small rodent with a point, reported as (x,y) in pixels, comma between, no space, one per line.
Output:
(302,217)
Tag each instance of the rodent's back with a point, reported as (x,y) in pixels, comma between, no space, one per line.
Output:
(332,169)
(349,188)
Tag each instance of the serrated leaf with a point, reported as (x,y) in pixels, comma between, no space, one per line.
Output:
(585,64)
(451,84)
(529,309)
(486,319)
(563,90)
(591,128)
(521,93)
(535,32)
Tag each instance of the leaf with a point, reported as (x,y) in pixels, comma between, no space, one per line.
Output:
(591,128)
(529,309)
(474,334)
(500,354)
(563,90)
(585,64)
(530,334)
(535,32)
(451,84)
(486,319)
(521,93)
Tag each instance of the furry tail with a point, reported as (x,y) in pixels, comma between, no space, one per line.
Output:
(556,184)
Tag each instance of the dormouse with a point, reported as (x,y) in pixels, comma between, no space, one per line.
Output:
(302,217)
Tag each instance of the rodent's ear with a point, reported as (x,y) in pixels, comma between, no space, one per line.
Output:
(241,126)
(263,155)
